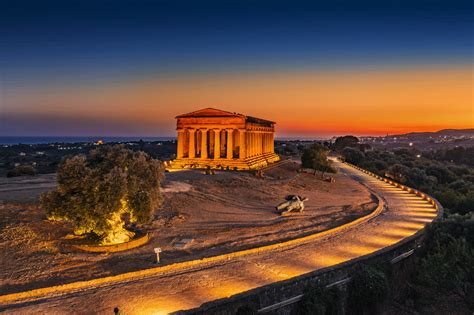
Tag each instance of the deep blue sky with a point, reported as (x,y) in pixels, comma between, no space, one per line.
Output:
(49,49)
(74,40)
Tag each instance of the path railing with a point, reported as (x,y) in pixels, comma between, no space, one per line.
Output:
(411,190)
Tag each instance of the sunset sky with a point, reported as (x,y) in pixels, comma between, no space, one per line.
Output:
(127,68)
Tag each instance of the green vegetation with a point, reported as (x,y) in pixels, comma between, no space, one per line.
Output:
(447,265)
(245,310)
(318,300)
(45,158)
(457,155)
(367,289)
(344,142)
(315,157)
(22,170)
(97,193)
(452,184)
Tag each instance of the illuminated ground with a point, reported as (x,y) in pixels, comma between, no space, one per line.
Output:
(220,213)
(405,214)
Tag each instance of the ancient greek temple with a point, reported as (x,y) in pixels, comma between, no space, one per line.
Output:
(219,139)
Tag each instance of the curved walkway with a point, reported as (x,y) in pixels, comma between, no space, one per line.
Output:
(404,215)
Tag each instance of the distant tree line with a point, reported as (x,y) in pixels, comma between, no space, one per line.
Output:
(23,159)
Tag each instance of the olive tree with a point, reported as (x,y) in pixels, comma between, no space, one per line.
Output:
(97,192)
(315,157)
(353,156)
(347,141)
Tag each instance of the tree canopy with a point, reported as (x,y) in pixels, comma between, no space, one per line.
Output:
(347,141)
(315,157)
(95,193)
(352,155)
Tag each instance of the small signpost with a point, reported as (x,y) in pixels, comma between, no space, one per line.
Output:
(157,252)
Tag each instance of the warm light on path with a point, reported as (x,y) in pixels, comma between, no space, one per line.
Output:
(404,216)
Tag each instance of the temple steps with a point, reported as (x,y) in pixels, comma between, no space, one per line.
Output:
(253,162)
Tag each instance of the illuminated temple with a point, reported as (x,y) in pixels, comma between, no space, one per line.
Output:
(219,139)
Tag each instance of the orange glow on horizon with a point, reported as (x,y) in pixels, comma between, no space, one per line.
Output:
(302,103)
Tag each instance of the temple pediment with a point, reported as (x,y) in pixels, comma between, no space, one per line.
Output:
(210,112)
(218,113)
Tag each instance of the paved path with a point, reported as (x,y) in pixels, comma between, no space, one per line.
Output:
(404,215)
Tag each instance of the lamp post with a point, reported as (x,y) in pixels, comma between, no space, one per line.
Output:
(157,252)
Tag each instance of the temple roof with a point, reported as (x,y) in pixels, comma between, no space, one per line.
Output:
(213,112)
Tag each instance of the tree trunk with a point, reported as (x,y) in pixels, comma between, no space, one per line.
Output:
(117,236)
(117,233)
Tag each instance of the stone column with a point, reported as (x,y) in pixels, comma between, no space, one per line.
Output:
(180,144)
(255,143)
(267,143)
(272,142)
(259,143)
(230,143)
(249,143)
(217,143)
(242,144)
(264,146)
(192,143)
(252,143)
(203,143)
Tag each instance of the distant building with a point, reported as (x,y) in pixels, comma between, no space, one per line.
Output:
(219,139)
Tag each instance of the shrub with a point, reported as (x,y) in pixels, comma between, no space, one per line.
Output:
(318,300)
(353,156)
(245,310)
(447,266)
(315,157)
(22,170)
(367,289)
(347,141)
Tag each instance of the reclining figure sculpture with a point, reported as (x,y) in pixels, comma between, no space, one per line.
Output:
(293,203)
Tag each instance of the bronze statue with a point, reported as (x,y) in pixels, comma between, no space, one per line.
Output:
(293,203)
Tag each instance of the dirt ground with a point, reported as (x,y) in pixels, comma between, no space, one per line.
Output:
(202,215)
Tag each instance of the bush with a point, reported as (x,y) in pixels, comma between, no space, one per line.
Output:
(347,141)
(449,198)
(315,157)
(449,269)
(367,289)
(245,310)
(318,300)
(353,156)
(22,170)
(448,264)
